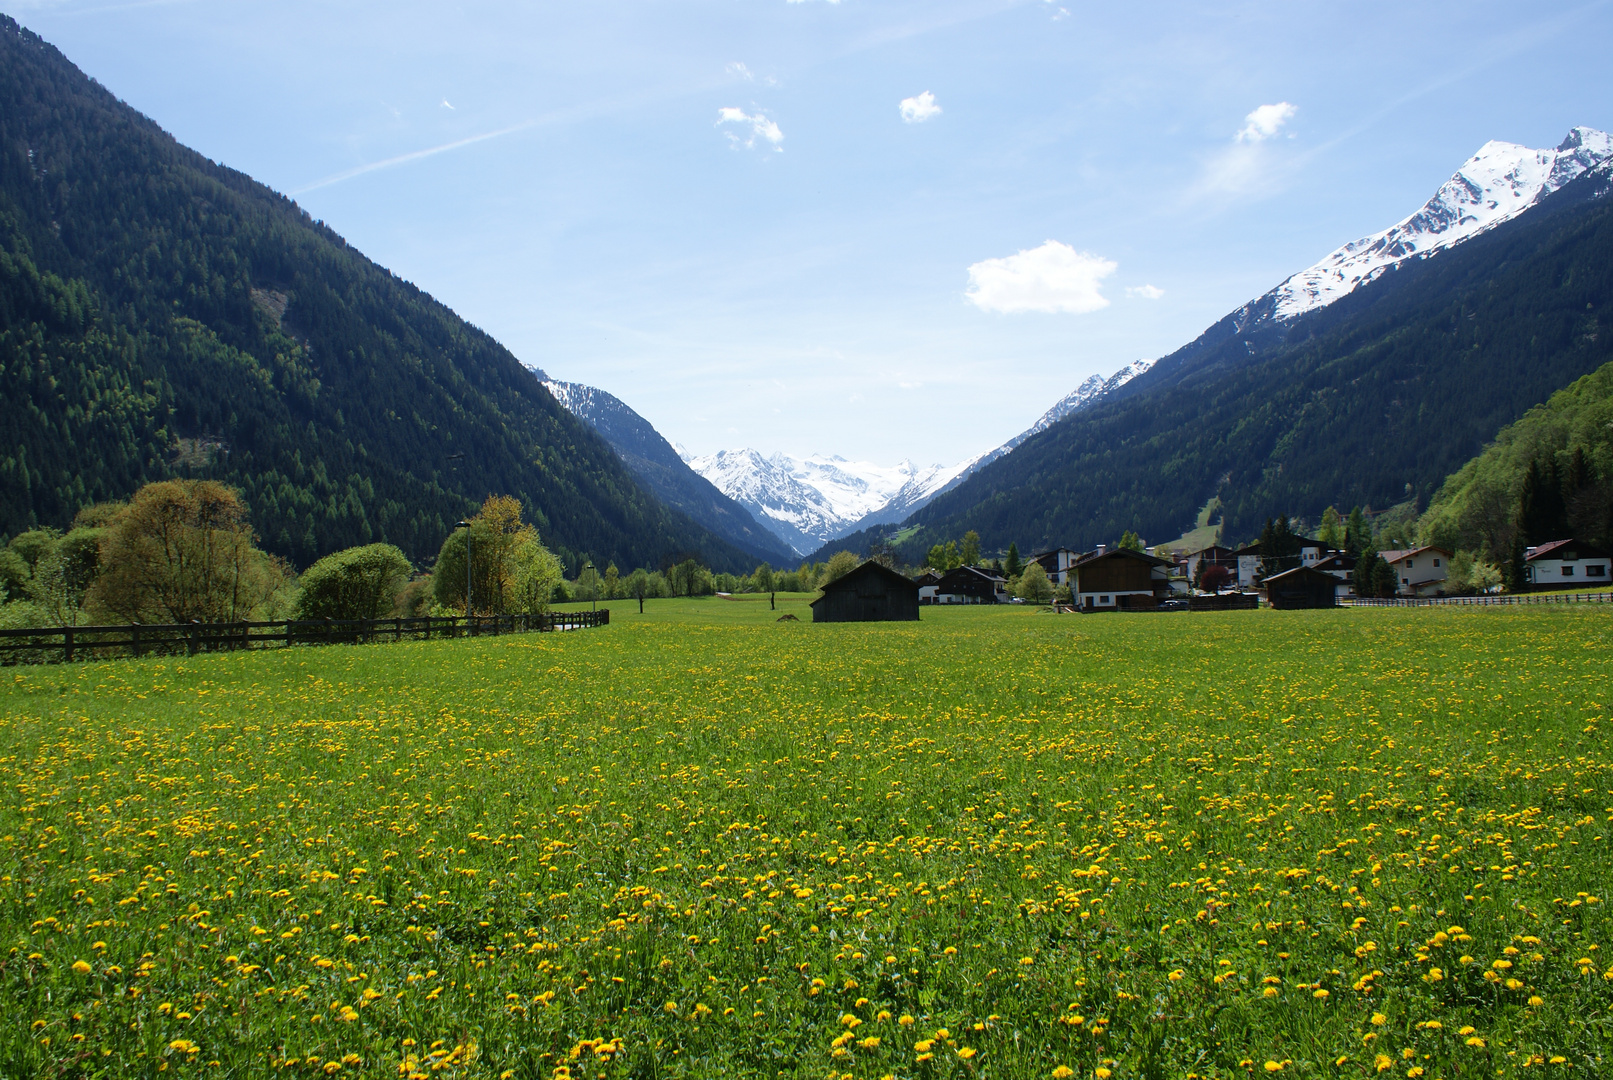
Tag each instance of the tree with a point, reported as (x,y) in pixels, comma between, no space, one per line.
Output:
(971,548)
(1385,582)
(763,577)
(1213,577)
(1034,588)
(638,587)
(613,583)
(1130,541)
(1542,515)
(1331,533)
(1357,533)
(1012,567)
(1515,572)
(1362,576)
(841,563)
(496,533)
(534,574)
(183,551)
(359,583)
(65,572)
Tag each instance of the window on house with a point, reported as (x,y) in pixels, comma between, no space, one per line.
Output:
(1410,563)
(1568,571)
(1436,563)
(1595,571)
(1405,581)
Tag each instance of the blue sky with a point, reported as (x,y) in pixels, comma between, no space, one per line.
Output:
(755,220)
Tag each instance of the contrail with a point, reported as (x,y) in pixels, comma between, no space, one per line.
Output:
(414,155)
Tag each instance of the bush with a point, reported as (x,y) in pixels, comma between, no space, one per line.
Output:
(359,583)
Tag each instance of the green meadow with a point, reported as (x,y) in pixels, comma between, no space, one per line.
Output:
(701,842)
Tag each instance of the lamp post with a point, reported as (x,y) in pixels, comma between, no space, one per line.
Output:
(593,588)
(466,526)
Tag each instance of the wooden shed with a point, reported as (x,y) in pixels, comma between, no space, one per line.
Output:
(870,593)
(1302,587)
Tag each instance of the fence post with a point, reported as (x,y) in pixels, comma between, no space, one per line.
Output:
(67,644)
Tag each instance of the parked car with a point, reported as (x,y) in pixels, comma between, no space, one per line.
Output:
(1175,605)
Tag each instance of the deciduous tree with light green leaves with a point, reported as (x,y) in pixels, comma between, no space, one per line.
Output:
(1034,588)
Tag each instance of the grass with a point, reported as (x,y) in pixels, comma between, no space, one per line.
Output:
(703,843)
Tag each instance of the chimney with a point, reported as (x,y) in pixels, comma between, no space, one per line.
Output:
(1102,548)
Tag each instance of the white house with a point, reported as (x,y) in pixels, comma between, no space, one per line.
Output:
(1057,563)
(1564,564)
(1311,552)
(1418,570)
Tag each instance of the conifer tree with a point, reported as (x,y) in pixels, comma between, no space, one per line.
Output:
(1012,567)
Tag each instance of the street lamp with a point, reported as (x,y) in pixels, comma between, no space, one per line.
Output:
(466,526)
(593,587)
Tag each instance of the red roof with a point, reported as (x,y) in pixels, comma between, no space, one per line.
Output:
(1396,556)
(1542,551)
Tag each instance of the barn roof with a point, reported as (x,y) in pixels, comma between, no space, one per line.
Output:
(867,569)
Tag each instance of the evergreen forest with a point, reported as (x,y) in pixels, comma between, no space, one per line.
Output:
(162,316)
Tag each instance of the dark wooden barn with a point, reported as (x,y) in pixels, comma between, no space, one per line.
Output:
(870,593)
(1302,587)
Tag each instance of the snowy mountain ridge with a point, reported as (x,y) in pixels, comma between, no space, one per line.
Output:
(808,502)
(1495,185)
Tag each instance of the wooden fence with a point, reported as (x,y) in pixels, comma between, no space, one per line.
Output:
(1480,601)
(67,643)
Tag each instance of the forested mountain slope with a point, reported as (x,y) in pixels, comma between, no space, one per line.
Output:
(1568,443)
(162,315)
(1371,400)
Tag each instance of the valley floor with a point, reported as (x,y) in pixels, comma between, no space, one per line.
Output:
(702,843)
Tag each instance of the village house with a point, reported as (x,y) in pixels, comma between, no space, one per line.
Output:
(870,593)
(1250,563)
(1565,564)
(1342,567)
(1418,570)
(1057,563)
(1214,555)
(971,585)
(1119,580)
(928,583)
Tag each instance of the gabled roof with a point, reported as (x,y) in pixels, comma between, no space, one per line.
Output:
(870,568)
(1212,549)
(1054,551)
(1396,556)
(1553,549)
(977,571)
(1112,553)
(1248,549)
(1337,561)
(1300,573)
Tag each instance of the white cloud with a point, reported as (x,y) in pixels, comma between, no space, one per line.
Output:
(1265,122)
(740,71)
(1053,277)
(760,128)
(445,104)
(1146,292)
(916,110)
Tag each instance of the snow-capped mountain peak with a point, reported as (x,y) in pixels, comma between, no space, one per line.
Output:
(1499,182)
(809,501)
